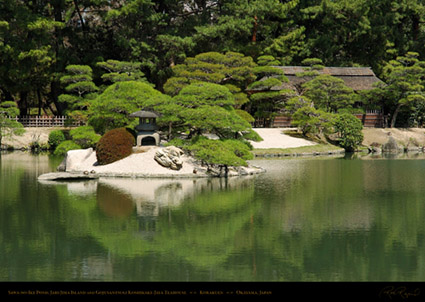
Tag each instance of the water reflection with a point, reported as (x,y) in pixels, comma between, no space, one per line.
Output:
(116,196)
(403,155)
(305,219)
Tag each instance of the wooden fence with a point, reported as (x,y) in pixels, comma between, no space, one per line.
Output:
(46,121)
(282,121)
(370,119)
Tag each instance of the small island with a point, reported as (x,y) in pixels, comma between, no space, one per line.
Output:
(82,164)
(123,152)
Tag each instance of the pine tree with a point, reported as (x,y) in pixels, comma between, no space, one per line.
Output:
(119,71)
(81,90)
(404,89)
(267,96)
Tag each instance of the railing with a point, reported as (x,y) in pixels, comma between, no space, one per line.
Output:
(374,111)
(46,121)
(372,119)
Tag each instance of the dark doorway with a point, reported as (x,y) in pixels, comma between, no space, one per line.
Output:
(148,141)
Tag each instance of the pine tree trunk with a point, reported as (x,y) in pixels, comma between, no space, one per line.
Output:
(170,127)
(254,33)
(394,117)
(23,109)
(40,102)
(54,94)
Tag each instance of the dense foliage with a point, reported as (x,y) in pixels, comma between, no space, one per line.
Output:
(112,108)
(144,39)
(97,61)
(114,145)
(349,129)
(9,127)
(56,137)
(85,136)
(66,146)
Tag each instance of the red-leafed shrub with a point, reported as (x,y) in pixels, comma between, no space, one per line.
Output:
(114,145)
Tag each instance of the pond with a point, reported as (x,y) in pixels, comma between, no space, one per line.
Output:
(306,219)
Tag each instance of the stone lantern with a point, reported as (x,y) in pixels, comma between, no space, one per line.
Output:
(147,134)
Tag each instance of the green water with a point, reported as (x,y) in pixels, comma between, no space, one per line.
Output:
(321,219)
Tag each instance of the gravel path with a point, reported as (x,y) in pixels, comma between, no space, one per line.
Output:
(274,138)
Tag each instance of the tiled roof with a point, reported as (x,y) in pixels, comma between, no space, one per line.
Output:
(358,78)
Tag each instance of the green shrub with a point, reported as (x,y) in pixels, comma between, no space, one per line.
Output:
(65,146)
(85,136)
(240,148)
(218,152)
(114,145)
(56,137)
(312,121)
(178,142)
(349,129)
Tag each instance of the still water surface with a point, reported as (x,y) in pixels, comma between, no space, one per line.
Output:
(321,219)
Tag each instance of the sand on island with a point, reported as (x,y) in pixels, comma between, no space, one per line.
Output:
(134,164)
(144,164)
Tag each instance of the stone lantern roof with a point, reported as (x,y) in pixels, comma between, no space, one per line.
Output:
(147,120)
(144,114)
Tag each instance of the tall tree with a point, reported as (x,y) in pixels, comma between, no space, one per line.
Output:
(209,108)
(111,109)
(234,70)
(404,89)
(250,26)
(329,93)
(157,34)
(9,127)
(81,90)
(267,95)
(26,55)
(118,71)
(366,32)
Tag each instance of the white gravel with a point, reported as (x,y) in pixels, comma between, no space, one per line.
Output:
(274,138)
(138,163)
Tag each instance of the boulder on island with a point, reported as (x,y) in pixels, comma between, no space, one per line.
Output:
(169,157)
(75,160)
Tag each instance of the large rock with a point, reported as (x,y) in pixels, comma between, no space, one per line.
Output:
(391,146)
(169,157)
(75,159)
(375,148)
(62,165)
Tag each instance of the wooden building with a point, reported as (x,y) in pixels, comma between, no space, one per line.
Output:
(357,78)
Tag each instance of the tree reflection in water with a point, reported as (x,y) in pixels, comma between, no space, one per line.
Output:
(351,219)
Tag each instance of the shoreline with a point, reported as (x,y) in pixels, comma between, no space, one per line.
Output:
(301,154)
(82,164)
